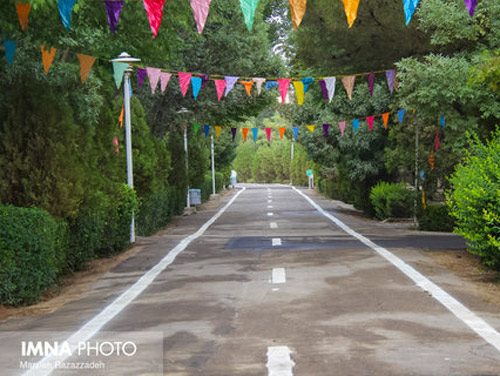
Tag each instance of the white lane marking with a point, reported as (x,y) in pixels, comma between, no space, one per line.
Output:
(279,362)
(273,225)
(276,242)
(278,276)
(269,201)
(275,289)
(269,206)
(270,214)
(473,321)
(91,328)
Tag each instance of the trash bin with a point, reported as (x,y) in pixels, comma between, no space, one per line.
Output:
(195,197)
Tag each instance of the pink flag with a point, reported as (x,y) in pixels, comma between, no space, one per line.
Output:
(184,80)
(342,127)
(437,143)
(154,10)
(283,85)
(154,77)
(200,12)
(370,120)
(220,86)
(164,80)
(268,134)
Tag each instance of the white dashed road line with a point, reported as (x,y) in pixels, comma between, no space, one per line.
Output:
(270,214)
(279,362)
(278,276)
(273,225)
(269,206)
(276,242)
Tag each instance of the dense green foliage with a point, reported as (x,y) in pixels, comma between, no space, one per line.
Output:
(32,253)
(474,200)
(435,217)
(392,200)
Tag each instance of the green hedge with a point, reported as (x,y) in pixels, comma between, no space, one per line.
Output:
(392,200)
(32,253)
(155,211)
(435,217)
(206,189)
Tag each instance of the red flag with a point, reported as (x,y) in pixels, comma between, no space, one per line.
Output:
(154,10)
(437,143)
(268,134)
(184,80)
(370,120)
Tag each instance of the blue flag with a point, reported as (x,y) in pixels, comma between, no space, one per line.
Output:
(355,125)
(206,129)
(65,9)
(271,84)
(442,121)
(409,6)
(401,115)
(196,85)
(307,81)
(10,50)
(295,131)
(255,132)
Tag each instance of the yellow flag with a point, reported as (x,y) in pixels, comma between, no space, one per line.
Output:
(311,128)
(47,58)
(351,10)
(299,92)
(297,11)
(218,129)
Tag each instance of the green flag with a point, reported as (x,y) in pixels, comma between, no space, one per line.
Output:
(248,8)
(196,128)
(118,70)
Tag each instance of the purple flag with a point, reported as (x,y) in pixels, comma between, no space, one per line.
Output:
(204,81)
(324,90)
(230,81)
(471,6)
(233,132)
(390,75)
(326,127)
(371,82)
(141,75)
(113,11)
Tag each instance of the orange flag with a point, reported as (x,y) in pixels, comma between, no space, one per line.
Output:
(248,86)
(120,118)
(385,118)
(348,82)
(351,10)
(86,63)
(282,132)
(47,58)
(297,11)
(23,12)
(245,133)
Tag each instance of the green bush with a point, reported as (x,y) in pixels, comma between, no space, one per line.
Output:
(435,218)
(32,253)
(206,189)
(474,200)
(155,211)
(392,200)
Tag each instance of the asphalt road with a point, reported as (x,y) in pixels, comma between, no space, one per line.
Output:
(274,287)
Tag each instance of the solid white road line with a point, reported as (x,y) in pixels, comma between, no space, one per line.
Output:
(276,242)
(92,327)
(273,225)
(279,362)
(270,214)
(278,276)
(473,321)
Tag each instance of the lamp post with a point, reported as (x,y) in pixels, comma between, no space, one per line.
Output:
(126,58)
(182,112)
(212,152)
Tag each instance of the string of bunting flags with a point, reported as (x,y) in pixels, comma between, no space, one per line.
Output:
(201,8)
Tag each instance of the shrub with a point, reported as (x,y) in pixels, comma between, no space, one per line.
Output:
(32,253)
(206,189)
(155,211)
(435,218)
(392,200)
(474,200)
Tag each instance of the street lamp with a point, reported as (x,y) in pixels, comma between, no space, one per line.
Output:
(126,58)
(183,112)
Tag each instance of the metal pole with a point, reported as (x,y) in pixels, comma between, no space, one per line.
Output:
(128,144)
(188,205)
(213,162)
(292,152)
(417,136)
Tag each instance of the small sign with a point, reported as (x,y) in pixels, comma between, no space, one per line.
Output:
(309,172)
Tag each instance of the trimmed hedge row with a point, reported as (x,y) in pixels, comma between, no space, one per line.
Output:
(392,200)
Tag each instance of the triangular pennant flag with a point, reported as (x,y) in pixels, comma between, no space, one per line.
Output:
(255,132)
(307,81)
(442,121)
(248,87)
(206,130)
(248,8)
(282,131)
(330,87)
(200,12)
(116,144)
(220,86)
(401,115)
(141,75)
(370,120)
(297,12)
(437,142)
(390,76)
(258,83)
(86,63)
(371,83)
(283,85)
(432,160)
(244,131)
(351,11)
(65,10)
(299,92)
(154,10)
(196,128)
(311,128)
(233,133)
(113,11)
(295,131)
(154,78)
(230,82)
(196,85)
(218,129)
(409,7)
(271,84)
(120,118)
(342,127)
(48,58)
(23,12)
(204,80)
(268,134)
(118,70)
(324,90)
(184,80)
(355,125)
(10,50)
(385,118)
(471,6)
(326,128)
(348,82)
(164,80)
